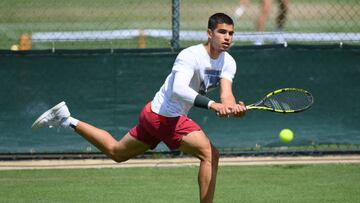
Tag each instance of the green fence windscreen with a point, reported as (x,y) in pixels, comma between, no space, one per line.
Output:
(109,90)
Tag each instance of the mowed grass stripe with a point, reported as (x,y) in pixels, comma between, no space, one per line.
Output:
(282,183)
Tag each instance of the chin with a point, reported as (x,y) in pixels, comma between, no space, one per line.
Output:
(223,49)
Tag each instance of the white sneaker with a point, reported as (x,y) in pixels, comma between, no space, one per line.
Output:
(53,117)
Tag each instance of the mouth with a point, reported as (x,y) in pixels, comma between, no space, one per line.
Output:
(226,44)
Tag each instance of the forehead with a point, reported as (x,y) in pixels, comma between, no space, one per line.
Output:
(224,26)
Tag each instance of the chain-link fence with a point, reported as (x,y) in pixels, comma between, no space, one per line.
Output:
(95,24)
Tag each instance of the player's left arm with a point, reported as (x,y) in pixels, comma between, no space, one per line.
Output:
(227,98)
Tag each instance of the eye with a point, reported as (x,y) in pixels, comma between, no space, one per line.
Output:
(221,31)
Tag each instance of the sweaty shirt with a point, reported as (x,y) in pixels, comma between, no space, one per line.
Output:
(193,72)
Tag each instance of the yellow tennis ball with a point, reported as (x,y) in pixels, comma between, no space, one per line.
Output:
(286,135)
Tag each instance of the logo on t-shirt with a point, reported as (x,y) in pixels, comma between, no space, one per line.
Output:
(211,81)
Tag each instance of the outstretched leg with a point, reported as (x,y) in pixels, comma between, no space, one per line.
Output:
(119,151)
(197,144)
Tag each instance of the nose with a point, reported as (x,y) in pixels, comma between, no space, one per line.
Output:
(227,37)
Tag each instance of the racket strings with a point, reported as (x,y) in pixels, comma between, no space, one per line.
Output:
(289,100)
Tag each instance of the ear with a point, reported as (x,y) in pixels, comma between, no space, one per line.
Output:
(210,33)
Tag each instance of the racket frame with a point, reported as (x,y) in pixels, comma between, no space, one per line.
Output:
(256,106)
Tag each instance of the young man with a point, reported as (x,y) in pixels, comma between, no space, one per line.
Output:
(196,70)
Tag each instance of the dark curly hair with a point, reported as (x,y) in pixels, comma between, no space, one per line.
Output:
(219,18)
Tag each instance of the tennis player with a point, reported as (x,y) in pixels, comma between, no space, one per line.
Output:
(196,70)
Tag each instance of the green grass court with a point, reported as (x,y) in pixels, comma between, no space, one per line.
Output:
(285,183)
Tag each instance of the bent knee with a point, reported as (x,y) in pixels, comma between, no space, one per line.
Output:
(119,159)
(116,156)
(211,155)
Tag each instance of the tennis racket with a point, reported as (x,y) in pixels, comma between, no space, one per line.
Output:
(286,100)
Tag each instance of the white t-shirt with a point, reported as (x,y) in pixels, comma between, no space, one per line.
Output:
(193,73)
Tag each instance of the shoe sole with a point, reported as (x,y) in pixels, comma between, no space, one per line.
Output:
(36,124)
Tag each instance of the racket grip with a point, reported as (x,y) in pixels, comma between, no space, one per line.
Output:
(217,113)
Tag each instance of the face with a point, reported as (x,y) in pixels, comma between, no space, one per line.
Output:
(221,37)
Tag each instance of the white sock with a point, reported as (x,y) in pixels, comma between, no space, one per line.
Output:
(70,122)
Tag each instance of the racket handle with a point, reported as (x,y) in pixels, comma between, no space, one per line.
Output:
(218,114)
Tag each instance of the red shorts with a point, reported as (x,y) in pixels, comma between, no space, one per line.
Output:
(154,128)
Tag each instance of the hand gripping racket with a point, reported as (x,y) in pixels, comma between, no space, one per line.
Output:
(286,100)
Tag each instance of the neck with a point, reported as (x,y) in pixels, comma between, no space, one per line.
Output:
(213,53)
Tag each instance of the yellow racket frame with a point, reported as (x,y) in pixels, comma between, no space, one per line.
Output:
(264,108)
